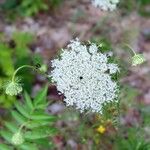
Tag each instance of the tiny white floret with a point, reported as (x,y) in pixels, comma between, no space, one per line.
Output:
(113,68)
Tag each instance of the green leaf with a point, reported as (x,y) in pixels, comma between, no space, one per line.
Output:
(22,39)
(19,118)
(11,126)
(6,66)
(42,106)
(45,143)
(5,147)
(40,116)
(22,110)
(35,124)
(39,133)
(6,135)
(28,100)
(26,3)
(28,146)
(41,96)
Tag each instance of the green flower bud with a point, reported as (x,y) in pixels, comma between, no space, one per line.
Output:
(137,59)
(17,138)
(43,68)
(13,88)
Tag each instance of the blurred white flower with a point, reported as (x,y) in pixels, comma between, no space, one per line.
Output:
(105,4)
(83,75)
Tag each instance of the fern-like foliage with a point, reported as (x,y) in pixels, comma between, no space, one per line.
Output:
(35,124)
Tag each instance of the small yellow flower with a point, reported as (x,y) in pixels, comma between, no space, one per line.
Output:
(101,129)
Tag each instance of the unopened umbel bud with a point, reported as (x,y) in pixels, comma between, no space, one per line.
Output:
(17,138)
(137,59)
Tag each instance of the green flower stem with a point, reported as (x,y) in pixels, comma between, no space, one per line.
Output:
(130,48)
(23,125)
(24,66)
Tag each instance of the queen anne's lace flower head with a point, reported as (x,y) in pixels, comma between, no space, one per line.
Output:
(105,4)
(83,75)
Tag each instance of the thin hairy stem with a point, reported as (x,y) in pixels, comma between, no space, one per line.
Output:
(130,48)
(17,70)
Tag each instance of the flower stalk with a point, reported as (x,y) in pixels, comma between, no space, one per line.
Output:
(132,50)
(18,69)
(137,59)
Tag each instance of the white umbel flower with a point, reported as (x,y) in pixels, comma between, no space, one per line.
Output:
(105,4)
(83,75)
